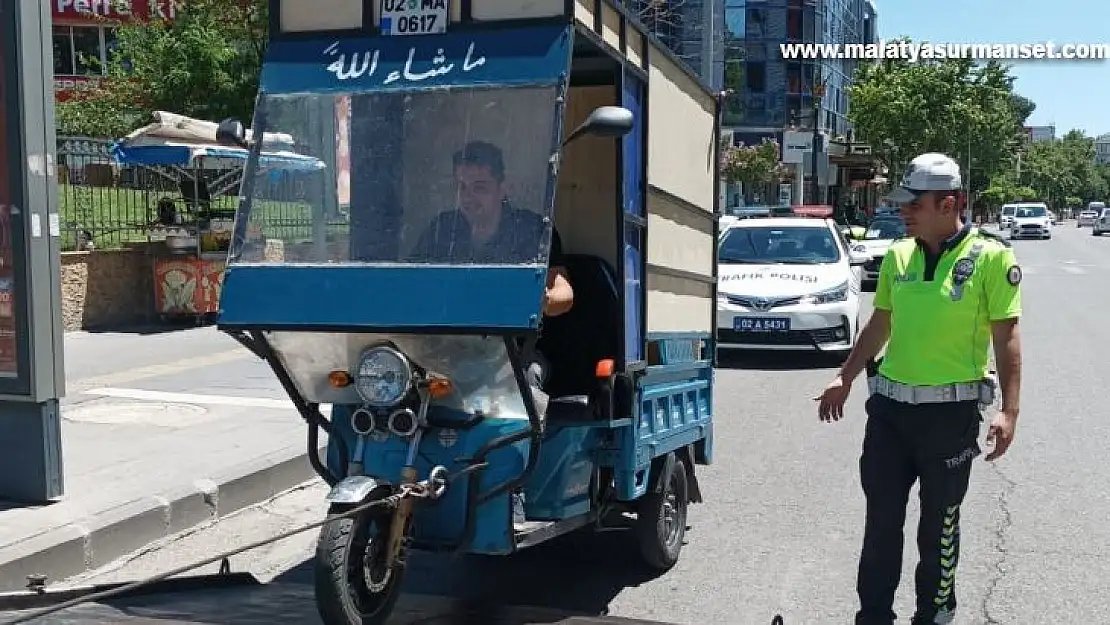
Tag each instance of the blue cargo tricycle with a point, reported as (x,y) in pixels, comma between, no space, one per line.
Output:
(473,309)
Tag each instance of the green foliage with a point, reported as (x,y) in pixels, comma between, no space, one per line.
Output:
(204,64)
(1064,171)
(751,165)
(1004,188)
(952,106)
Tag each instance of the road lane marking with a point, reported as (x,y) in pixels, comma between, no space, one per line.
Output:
(140,394)
(128,376)
(1075,271)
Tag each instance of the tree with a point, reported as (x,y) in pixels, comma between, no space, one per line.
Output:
(753,166)
(953,106)
(1064,172)
(204,64)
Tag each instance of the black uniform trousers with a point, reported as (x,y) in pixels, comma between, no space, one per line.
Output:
(904,443)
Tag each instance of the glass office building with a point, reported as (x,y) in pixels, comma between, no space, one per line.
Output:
(694,31)
(769,92)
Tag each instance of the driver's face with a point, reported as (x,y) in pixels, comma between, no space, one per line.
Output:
(479,195)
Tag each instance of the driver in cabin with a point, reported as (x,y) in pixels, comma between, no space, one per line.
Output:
(487,228)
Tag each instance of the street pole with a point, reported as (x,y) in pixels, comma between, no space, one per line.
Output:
(815,186)
(32,374)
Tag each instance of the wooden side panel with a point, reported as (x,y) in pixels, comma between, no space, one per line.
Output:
(586,200)
(610,26)
(682,145)
(493,10)
(679,239)
(584,13)
(299,16)
(682,142)
(678,305)
(634,49)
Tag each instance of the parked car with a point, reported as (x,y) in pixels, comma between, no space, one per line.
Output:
(1102,224)
(1006,216)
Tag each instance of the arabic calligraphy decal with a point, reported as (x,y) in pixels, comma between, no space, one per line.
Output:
(534,55)
(368,65)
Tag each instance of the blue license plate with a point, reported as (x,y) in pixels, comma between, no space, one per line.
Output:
(761,324)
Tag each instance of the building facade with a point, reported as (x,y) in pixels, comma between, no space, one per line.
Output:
(1040,133)
(769,95)
(693,30)
(84,32)
(1102,149)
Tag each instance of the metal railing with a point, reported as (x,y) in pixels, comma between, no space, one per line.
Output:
(106,206)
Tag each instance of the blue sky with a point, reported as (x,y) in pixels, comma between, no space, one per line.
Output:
(1069,94)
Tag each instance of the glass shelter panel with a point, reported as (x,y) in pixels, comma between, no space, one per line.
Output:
(446,176)
(9,362)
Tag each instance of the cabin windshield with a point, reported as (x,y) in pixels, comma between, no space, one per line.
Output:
(449,176)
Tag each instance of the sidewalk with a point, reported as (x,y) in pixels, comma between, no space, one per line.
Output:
(160,433)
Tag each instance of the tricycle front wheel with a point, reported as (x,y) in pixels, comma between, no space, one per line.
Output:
(661,522)
(353,585)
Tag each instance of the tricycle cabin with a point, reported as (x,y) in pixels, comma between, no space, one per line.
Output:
(371,102)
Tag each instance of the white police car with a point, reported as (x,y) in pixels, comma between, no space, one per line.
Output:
(788,283)
(881,232)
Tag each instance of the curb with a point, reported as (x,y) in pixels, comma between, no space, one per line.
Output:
(66,551)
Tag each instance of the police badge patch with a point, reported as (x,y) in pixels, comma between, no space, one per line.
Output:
(963,270)
(1013,275)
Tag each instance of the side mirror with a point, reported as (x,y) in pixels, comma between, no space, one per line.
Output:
(231,132)
(604,121)
(856,259)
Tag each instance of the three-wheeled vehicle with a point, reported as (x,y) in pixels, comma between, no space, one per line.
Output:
(466,415)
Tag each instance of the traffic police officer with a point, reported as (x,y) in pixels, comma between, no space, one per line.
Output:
(945,293)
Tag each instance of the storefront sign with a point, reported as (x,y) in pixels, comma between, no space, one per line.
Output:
(795,145)
(94,10)
(66,87)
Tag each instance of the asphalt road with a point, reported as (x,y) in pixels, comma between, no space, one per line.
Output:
(782,526)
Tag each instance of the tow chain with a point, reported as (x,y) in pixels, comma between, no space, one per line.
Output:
(430,488)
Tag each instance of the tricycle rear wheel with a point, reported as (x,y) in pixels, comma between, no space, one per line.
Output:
(352,586)
(661,522)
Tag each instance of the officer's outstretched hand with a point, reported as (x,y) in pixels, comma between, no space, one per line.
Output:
(832,400)
(1000,434)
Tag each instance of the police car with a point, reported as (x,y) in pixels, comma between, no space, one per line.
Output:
(789,283)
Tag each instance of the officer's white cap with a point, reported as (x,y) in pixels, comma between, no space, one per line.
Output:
(928,172)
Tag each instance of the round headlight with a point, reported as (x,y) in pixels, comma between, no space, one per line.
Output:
(384,376)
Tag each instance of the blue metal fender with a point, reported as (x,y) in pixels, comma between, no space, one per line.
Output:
(355,489)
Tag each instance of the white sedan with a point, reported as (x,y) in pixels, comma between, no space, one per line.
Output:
(1031,221)
(787,284)
(876,241)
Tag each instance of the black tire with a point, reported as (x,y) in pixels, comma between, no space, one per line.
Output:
(343,596)
(661,523)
